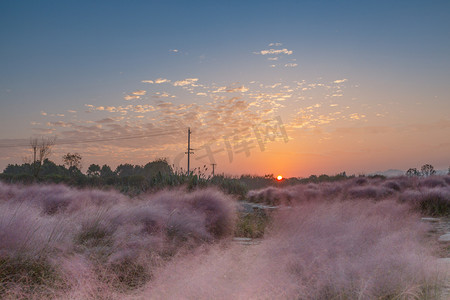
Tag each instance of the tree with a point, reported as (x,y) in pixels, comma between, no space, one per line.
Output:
(106,171)
(412,172)
(42,149)
(159,166)
(93,170)
(124,170)
(427,170)
(72,160)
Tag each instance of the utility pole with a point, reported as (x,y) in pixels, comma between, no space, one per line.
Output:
(189,149)
(213,168)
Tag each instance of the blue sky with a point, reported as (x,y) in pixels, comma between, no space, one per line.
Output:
(388,63)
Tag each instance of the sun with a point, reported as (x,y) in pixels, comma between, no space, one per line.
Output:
(279,177)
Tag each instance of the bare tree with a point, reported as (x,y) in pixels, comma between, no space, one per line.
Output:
(42,148)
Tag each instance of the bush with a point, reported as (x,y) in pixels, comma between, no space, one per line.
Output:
(435,202)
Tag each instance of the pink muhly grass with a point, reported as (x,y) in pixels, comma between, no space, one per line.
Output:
(314,251)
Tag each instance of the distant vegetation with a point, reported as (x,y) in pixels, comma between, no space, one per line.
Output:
(134,179)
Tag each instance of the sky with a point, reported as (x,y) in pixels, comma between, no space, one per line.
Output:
(266,87)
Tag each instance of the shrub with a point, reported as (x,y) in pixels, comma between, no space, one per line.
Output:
(252,225)
(432,182)
(435,202)
(393,185)
(369,192)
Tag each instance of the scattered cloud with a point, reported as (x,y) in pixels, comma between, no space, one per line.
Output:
(275,44)
(187,81)
(163,95)
(157,81)
(43,113)
(161,80)
(128,97)
(275,51)
(341,80)
(140,93)
(273,58)
(241,89)
(174,50)
(291,65)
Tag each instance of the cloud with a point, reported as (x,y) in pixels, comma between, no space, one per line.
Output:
(140,93)
(72,111)
(275,51)
(157,81)
(231,89)
(275,44)
(340,80)
(174,50)
(60,124)
(202,94)
(187,81)
(273,58)
(241,89)
(43,113)
(356,116)
(105,121)
(163,95)
(128,97)
(291,65)
(161,80)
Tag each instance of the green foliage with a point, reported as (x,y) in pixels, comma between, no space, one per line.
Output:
(93,170)
(252,225)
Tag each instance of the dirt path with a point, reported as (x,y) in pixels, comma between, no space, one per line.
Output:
(441,232)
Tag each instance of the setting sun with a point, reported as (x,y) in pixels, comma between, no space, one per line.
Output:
(279,177)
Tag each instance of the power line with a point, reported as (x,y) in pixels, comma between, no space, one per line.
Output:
(69,142)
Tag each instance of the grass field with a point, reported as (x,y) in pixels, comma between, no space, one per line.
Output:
(354,239)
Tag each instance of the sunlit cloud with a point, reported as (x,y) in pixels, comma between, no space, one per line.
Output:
(341,80)
(131,97)
(161,80)
(174,50)
(139,93)
(275,44)
(43,113)
(275,51)
(163,95)
(157,81)
(241,89)
(60,124)
(291,65)
(187,81)
(357,116)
